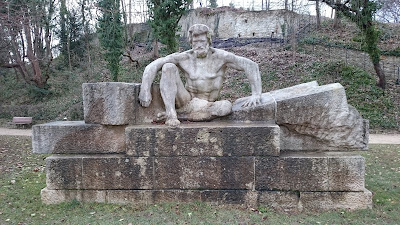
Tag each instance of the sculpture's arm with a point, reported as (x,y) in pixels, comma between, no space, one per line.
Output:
(149,74)
(253,74)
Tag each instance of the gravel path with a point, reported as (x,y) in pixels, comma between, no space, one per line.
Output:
(373,138)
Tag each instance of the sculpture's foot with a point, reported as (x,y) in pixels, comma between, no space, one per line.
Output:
(172,122)
(161,117)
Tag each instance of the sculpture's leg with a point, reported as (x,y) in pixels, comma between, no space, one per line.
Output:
(172,90)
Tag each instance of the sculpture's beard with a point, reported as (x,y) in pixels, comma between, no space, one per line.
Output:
(201,52)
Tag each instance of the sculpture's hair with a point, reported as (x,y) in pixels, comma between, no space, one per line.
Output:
(199,29)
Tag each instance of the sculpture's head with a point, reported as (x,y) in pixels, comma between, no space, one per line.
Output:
(200,39)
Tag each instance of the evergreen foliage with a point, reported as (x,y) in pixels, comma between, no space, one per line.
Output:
(164,18)
(111,35)
(213,4)
(362,13)
(63,29)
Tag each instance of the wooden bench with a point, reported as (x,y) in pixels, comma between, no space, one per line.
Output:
(22,121)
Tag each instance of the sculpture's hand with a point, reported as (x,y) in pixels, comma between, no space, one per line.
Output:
(145,97)
(251,101)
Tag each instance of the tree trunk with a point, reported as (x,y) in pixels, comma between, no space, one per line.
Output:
(336,20)
(318,12)
(156,54)
(381,75)
(37,73)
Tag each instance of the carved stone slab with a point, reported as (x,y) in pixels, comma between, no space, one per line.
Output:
(98,172)
(116,103)
(311,172)
(109,103)
(286,201)
(77,137)
(204,139)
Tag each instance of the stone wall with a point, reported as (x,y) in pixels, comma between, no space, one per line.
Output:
(227,23)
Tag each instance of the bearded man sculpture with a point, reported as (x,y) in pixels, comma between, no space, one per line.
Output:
(204,68)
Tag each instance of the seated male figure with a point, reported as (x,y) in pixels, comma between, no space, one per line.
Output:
(204,68)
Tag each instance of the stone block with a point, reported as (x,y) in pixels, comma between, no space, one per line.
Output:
(63,173)
(204,173)
(58,196)
(99,172)
(266,111)
(346,172)
(116,103)
(284,201)
(204,139)
(129,196)
(110,103)
(176,195)
(326,201)
(247,197)
(318,117)
(76,137)
(117,172)
(310,172)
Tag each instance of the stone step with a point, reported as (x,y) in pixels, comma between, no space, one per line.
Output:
(78,137)
(193,139)
(325,171)
(204,139)
(288,172)
(287,201)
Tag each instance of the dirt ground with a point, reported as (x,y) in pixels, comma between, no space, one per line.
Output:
(373,138)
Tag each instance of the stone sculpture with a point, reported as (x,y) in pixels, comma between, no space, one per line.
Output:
(290,149)
(204,69)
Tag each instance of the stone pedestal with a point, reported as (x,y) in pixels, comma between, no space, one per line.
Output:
(117,156)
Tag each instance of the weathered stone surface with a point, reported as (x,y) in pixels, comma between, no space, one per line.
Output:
(150,196)
(176,195)
(146,115)
(64,173)
(117,172)
(204,173)
(322,113)
(346,172)
(76,137)
(129,196)
(310,172)
(325,201)
(110,103)
(58,196)
(266,111)
(99,172)
(285,201)
(116,103)
(204,139)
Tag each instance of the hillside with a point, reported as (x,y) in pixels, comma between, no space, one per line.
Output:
(280,67)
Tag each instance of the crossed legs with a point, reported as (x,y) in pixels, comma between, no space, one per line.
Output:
(174,94)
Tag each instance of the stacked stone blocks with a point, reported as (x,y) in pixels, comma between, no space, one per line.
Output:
(251,157)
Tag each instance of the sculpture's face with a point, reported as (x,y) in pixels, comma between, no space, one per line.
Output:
(200,45)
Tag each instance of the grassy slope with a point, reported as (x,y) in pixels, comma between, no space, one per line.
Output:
(21,202)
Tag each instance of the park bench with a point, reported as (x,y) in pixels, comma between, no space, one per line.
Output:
(22,121)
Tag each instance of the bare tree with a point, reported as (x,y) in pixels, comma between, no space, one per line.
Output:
(336,20)
(389,11)
(27,27)
(318,14)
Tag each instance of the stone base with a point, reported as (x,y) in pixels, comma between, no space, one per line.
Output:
(278,200)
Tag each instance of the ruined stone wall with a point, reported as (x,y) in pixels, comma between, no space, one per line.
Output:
(236,23)
(228,23)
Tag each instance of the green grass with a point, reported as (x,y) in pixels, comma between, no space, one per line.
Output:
(21,204)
